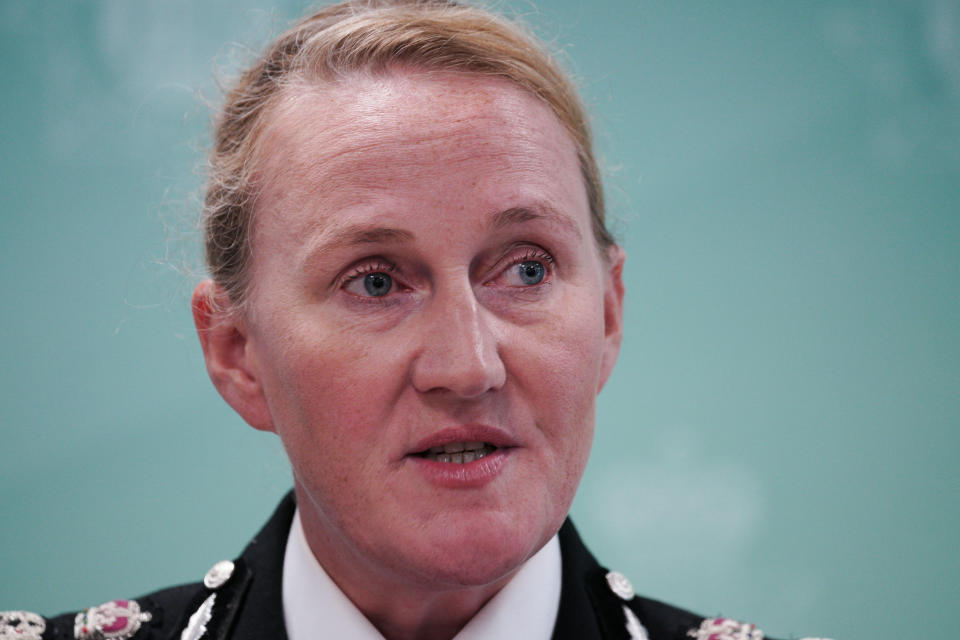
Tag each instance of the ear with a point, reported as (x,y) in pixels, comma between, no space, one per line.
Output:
(612,312)
(226,349)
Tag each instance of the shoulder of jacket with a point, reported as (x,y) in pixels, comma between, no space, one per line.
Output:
(209,609)
(160,615)
(648,619)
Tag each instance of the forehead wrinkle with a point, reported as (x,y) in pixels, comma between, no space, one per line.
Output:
(373,137)
(408,155)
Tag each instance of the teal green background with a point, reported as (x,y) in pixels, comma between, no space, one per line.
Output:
(780,440)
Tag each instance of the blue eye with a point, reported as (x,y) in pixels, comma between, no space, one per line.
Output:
(377,284)
(531,272)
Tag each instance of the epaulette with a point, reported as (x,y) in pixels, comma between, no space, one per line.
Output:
(211,608)
(112,620)
(707,629)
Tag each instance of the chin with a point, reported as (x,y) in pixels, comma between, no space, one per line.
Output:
(477,551)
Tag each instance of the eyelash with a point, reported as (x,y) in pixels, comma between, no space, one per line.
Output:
(534,255)
(377,265)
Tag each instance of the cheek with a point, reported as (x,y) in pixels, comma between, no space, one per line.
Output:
(329,403)
(557,369)
(572,350)
(328,390)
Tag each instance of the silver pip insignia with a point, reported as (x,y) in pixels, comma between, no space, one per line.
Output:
(619,584)
(218,575)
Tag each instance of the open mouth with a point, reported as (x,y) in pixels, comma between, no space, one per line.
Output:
(458,452)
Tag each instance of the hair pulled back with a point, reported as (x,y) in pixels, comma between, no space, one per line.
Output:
(369,36)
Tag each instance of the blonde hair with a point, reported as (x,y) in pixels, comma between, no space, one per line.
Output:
(371,36)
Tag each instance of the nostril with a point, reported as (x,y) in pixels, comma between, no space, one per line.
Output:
(459,352)
(465,376)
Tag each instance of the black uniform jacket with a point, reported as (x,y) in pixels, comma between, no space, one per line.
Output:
(248,605)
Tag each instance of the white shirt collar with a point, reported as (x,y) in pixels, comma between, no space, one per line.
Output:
(314,607)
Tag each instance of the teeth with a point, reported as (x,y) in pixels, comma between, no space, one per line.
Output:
(457,447)
(459,452)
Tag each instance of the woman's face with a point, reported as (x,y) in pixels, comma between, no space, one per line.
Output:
(425,278)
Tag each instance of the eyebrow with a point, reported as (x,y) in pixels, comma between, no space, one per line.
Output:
(353,235)
(366,234)
(519,215)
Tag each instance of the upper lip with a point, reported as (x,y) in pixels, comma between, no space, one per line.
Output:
(465,433)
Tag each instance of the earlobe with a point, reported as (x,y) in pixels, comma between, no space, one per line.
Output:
(612,312)
(226,350)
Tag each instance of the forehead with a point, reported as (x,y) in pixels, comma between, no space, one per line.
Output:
(376,139)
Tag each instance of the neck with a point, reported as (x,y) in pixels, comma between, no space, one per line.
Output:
(401,605)
(435,617)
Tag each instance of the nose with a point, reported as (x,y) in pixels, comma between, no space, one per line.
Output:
(459,350)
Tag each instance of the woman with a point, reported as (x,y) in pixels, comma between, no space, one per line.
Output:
(412,285)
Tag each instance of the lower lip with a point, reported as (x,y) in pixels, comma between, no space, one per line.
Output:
(467,475)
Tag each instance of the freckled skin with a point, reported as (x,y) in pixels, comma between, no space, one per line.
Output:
(350,383)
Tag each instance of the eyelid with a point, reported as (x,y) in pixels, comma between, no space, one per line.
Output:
(536,253)
(529,253)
